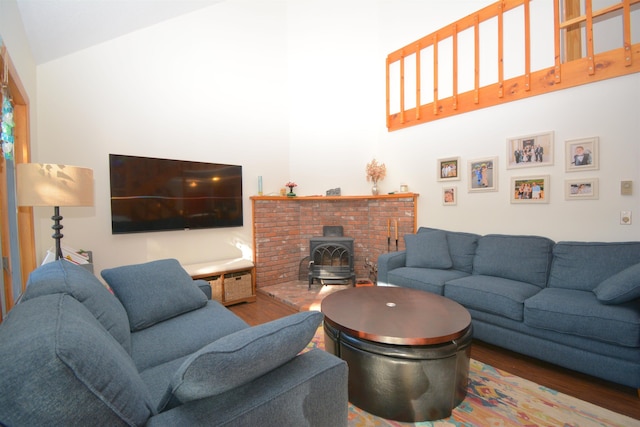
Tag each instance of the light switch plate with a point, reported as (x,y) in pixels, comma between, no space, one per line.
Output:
(626,188)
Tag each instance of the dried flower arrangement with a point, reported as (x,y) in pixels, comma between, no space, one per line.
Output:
(376,171)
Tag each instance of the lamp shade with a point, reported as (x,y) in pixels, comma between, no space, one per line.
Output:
(45,184)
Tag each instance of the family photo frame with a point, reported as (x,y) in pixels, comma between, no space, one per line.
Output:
(450,196)
(581,189)
(449,169)
(530,151)
(530,189)
(483,174)
(582,154)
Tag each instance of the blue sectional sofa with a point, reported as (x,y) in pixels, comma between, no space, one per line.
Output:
(574,304)
(159,353)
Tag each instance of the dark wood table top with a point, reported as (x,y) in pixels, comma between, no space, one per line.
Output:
(394,315)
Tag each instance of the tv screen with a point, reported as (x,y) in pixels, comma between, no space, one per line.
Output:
(150,194)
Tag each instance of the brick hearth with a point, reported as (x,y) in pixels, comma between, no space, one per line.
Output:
(282,227)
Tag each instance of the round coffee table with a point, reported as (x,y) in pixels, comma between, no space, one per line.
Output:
(408,351)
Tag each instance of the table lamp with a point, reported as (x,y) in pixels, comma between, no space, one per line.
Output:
(44,184)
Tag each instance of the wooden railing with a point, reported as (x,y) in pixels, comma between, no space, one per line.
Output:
(569,60)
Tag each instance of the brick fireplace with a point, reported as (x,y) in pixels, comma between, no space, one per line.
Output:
(283,227)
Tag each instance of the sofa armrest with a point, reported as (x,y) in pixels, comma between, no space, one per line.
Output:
(311,389)
(204,287)
(388,262)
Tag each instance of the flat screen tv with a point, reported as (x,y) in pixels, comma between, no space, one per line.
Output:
(150,194)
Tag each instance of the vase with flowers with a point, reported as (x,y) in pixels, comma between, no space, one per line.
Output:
(375,172)
(291,185)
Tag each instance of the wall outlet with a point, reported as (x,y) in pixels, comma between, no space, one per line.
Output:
(625,217)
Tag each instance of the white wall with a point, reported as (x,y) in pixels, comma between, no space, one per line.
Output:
(352,119)
(296,90)
(208,86)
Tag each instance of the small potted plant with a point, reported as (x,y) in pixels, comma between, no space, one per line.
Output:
(291,184)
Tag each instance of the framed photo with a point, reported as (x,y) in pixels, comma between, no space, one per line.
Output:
(450,196)
(581,189)
(581,154)
(530,189)
(449,169)
(530,150)
(483,174)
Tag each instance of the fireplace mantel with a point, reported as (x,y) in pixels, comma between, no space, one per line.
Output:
(325,198)
(283,226)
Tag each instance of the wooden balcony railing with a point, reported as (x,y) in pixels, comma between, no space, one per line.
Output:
(459,68)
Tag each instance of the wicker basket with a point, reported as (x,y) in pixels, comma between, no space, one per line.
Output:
(237,286)
(216,288)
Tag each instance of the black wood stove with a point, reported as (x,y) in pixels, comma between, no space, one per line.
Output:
(331,257)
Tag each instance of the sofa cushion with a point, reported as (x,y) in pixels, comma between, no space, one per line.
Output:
(60,366)
(462,247)
(576,312)
(504,297)
(584,265)
(620,288)
(521,258)
(154,291)
(428,250)
(241,357)
(168,340)
(64,277)
(424,279)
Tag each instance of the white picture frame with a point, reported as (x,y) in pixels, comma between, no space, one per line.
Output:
(530,151)
(483,174)
(530,189)
(448,169)
(450,195)
(581,189)
(582,154)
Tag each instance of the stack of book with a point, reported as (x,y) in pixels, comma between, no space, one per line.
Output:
(75,256)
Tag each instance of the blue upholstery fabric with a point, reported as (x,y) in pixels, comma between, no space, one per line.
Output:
(620,288)
(579,313)
(222,365)
(490,294)
(295,394)
(527,294)
(584,265)
(60,366)
(183,335)
(154,291)
(158,380)
(424,279)
(64,277)
(462,247)
(428,250)
(523,258)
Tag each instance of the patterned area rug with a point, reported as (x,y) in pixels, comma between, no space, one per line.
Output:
(496,398)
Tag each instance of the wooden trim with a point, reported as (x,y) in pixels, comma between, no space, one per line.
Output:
(22,154)
(311,198)
(573,71)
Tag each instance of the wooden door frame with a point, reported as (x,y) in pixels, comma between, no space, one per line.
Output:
(22,154)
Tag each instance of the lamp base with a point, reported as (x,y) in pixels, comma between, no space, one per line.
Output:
(57,227)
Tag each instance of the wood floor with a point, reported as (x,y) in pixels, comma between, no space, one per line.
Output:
(624,400)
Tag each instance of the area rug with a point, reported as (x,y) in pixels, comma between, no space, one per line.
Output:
(496,398)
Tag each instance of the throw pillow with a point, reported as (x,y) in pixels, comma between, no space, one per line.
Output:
(620,288)
(62,276)
(428,250)
(241,357)
(154,291)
